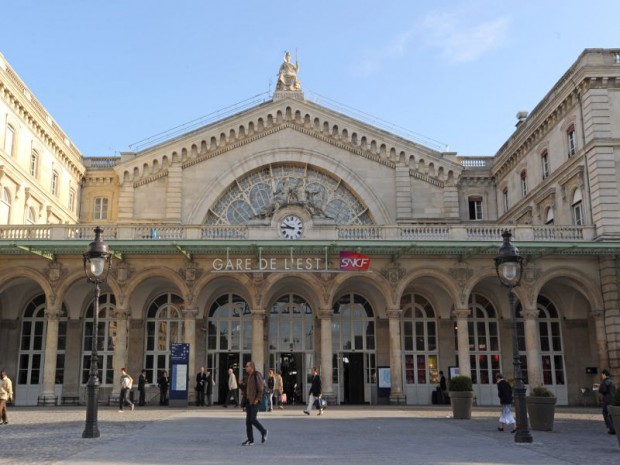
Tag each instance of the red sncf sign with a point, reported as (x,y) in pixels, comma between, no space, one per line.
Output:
(353,261)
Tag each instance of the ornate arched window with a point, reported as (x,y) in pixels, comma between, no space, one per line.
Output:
(483,328)
(106,335)
(260,193)
(229,325)
(419,340)
(291,325)
(164,326)
(5,207)
(549,343)
(32,343)
(353,329)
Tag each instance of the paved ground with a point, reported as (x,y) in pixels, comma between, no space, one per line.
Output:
(343,435)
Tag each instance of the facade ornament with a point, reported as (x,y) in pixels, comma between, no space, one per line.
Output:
(190,272)
(122,272)
(55,272)
(395,313)
(393,272)
(287,75)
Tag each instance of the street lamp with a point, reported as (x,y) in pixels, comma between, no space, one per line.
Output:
(97,263)
(509,267)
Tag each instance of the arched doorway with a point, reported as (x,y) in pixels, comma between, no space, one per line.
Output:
(353,339)
(229,340)
(291,343)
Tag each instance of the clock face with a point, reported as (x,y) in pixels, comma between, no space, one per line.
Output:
(291,227)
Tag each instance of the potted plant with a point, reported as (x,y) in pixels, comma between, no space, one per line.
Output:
(614,413)
(541,408)
(461,397)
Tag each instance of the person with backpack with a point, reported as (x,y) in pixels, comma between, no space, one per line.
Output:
(254,394)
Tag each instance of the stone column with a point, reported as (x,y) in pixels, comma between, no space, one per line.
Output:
(48,395)
(397,395)
(462,332)
(258,343)
(530,328)
(120,350)
(189,337)
(327,385)
(601,338)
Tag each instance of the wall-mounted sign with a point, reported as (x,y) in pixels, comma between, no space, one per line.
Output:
(348,261)
(353,261)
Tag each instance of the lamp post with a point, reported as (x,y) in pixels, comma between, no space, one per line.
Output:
(509,267)
(97,262)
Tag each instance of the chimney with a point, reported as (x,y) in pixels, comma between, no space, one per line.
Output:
(521,117)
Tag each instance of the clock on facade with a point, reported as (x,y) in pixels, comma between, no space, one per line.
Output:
(291,227)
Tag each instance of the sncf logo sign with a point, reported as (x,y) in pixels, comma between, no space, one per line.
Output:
(353,261)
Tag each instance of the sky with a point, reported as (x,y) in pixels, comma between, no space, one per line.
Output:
(451,74)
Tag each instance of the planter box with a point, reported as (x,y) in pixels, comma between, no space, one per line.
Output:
(461,402)
(541,411)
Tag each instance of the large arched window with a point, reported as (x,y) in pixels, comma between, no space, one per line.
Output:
(353,329)
(230,324)
(291,325)
(32,343)
(164,326)
(483,328)
(419,334)
(106,335)
(549,342)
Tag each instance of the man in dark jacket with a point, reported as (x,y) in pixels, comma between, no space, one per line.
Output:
(606,392)
(201,384)
(315,392)
(142,388)
(504,392)
(254,394)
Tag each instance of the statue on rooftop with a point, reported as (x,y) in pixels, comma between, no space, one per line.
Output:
(287,76)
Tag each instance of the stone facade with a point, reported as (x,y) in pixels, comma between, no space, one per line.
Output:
(297,236)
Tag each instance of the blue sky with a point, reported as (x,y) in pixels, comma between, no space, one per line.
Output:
(114,72)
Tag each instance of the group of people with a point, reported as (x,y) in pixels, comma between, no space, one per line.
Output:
(273,390)
(606,391)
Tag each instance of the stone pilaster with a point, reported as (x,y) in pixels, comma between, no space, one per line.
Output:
(174,192)
(397,395)
(120,349)
(327,385)
(258,334)
(610,282)
(189,337)
(530,328)
(126,202)
(48,395)
(462,332)
(404,201)
(601,341)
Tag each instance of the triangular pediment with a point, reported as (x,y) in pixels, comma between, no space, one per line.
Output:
(269,118)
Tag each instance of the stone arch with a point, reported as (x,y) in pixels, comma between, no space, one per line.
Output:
(211,289)
(375,290)
(304,285)
(579,280)
(156,272)
(436,276)
(357,185)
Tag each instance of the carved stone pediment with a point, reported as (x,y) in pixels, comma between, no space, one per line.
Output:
(393,272)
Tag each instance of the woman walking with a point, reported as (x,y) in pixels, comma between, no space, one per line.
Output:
(504,391)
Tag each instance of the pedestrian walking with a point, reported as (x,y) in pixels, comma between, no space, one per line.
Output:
(504,392)
(6,394)
(126,383)
(278,388)
(254,394)
(142,388)
(209,390)
(606,391)
(233,389)
(315,392)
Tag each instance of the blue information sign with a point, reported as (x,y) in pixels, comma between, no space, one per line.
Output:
(179,364)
